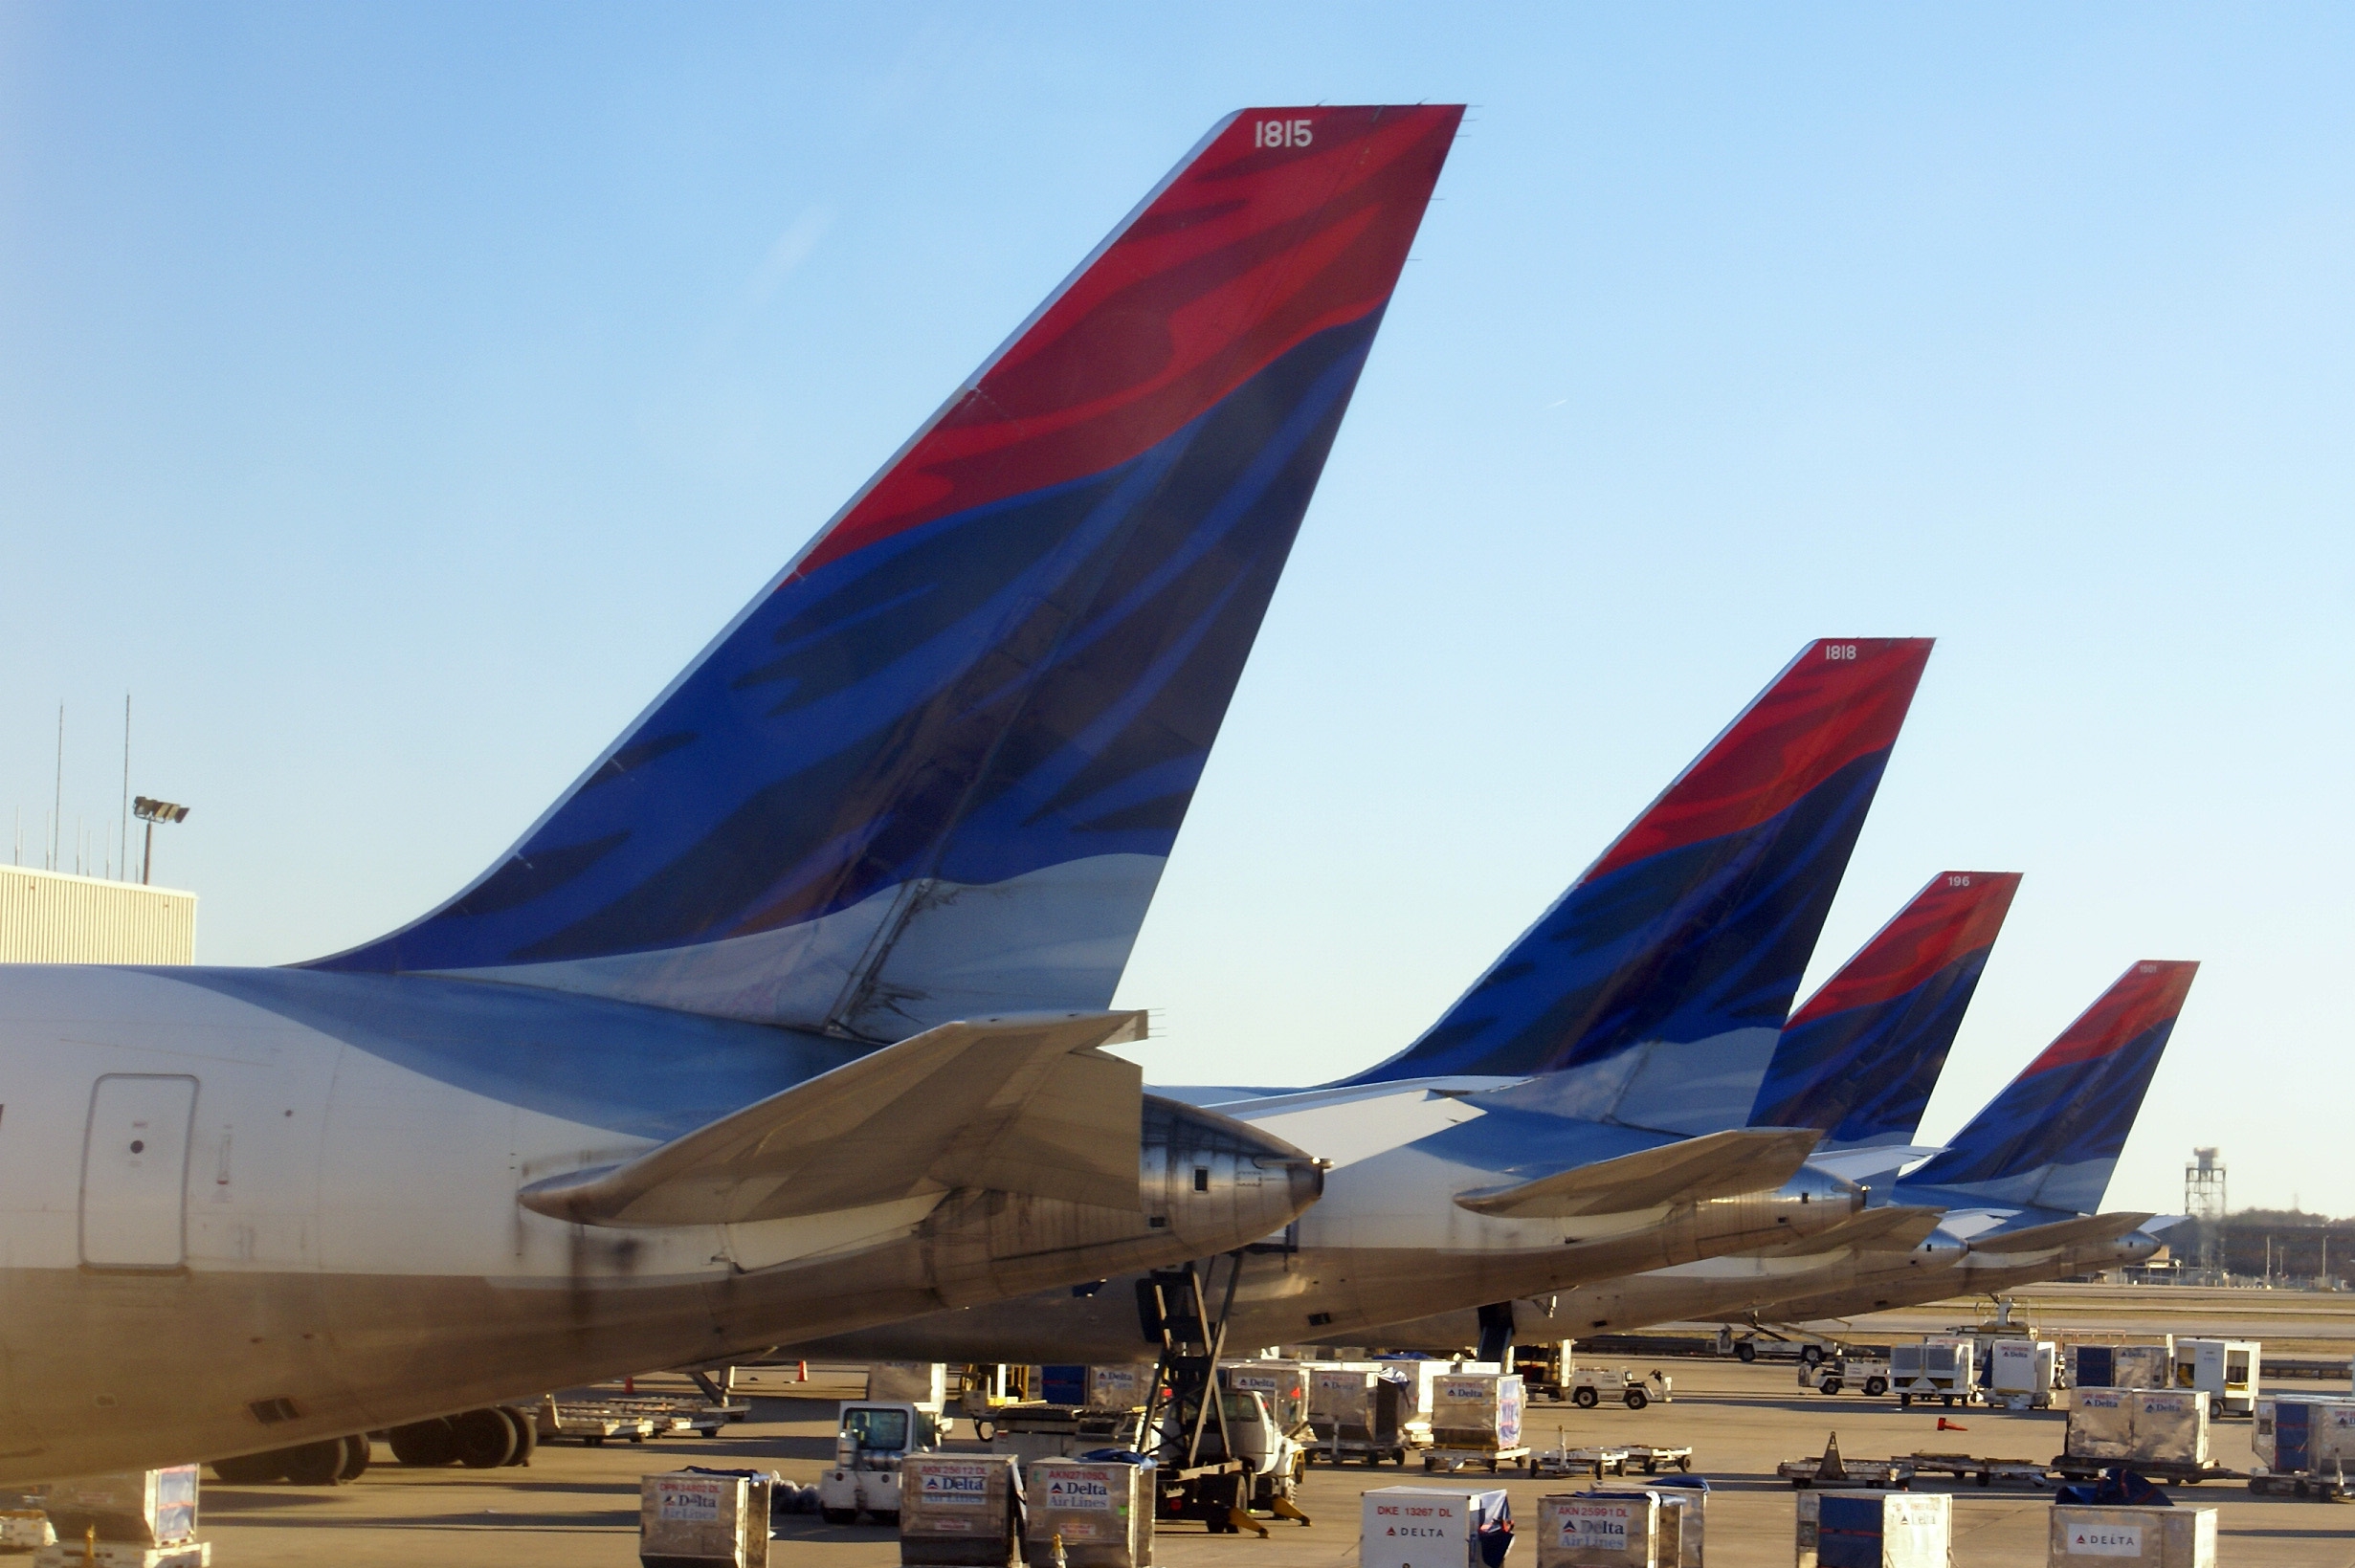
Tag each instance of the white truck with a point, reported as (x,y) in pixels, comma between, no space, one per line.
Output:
(874,1437)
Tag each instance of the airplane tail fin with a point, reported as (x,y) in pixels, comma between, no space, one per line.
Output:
(933,770)
(1653,991)
(2052,1136)
(1860,1058)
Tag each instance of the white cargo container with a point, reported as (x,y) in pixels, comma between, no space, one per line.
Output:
(1646,1528)
(1102,1511)
(1419,1375)
(1879,1528)
(1940,1367)
(703,1521)
(1477,1412)
(130,1508)
(50,918)
(2155,1538)
(2021,1372)
(1428,1527)
(2225,1370)
(2312,1432)
(959,1511)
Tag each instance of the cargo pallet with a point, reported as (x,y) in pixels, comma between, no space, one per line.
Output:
(2307,1484)
(2022,1473)
(2164,1471)
(1341,1450)
(591,1425)
(1829,1469)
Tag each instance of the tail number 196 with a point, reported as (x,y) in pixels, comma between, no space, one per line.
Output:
(1282,133)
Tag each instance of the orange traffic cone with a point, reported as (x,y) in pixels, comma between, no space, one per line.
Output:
(1945,1426)
(801,1372)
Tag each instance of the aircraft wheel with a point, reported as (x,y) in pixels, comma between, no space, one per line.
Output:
(425,1443)
(314,1464)
(526,1434)
(1745,1351)
(252,1470)
(483,1438)
(357,1453)
(1637,1399)
(1586,1399)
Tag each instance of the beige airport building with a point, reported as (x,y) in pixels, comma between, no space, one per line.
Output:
(51,918)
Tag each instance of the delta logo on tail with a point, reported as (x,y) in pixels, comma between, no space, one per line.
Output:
(934,769)
(1653,992)
(1859,1060)
(2052,1136)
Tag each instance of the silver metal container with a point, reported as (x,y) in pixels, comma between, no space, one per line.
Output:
(1609,1530)
(1908,1530)
(2171,1426)
(1477,1410)
(703,1521)
(2100,1424)
(2304,1432)
(137,1508)
(2154,1538)
(959,1511)
(1102,1511)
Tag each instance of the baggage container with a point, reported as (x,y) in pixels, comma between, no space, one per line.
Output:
(1102,1510)
(2152,1425)
(1940,1367)
(2123,1366)
(1874,1530)
(960,1511)
(1433,1526)
(1117,1385)
(1284,1385)
(1418,1375)
(1358,1412)
(2156,1537)
(1628,1529)
(924,1384)
(133,1508)
(2225,1370)
(1480,1411)
(2304,1432)
(2022,1370)
(703,1521)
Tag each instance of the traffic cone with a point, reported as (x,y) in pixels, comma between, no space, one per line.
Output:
(1945,1426)
(801,1372)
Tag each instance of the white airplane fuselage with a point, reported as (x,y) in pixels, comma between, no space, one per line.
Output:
(244,1210)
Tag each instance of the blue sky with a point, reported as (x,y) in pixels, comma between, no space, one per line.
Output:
(394,398)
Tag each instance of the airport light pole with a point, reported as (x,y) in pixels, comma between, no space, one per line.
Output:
(151,813)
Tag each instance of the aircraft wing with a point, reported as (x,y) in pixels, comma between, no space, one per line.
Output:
(1895,1228)
(1714,1166)
(1020,1104)
(2044,1238)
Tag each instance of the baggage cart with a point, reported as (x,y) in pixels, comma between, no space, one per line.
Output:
(1874,1530)
(2154,1538)
(1833,1468)
(1597,1460)
(589,1423)
(2015,1474)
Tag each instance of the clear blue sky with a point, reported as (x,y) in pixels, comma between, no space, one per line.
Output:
(394,397)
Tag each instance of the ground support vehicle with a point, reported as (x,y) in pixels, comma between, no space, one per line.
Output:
(1868,1375)
(1760,1342)
(873,1438)
(1943,1367)
(1216,1450)
(1589,1386)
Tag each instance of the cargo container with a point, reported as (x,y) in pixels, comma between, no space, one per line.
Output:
(1475,1418)
(2154,1538)
(2123,1366)
(1100,1510)
(688,1520)
(1418,1375)
(1358,1411)
(1874,1530)
(2021,1372)
(1433,1526)
(1940,1367)
(134,1508)
(924,1384)
(2304,1432)
(2225,1370)
(2140,1425)
(1647,1528)
(961,1511)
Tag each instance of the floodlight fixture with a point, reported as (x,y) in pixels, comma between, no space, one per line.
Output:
(152,811)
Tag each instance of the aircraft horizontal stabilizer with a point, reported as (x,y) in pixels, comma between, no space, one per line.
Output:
(1715,1165)
(2046,1238)
(1897,1228)
(1017,1104)
(1857,1164)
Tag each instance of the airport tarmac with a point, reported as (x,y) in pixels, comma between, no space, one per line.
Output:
(578,1506)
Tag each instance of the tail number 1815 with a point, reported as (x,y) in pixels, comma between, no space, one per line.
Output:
(1282,133)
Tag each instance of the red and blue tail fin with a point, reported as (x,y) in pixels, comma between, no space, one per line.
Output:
(1858,1060)
(2052,1136)
(1654,990)
(934,767)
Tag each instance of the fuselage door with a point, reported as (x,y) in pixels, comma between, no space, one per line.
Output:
(135,1171)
